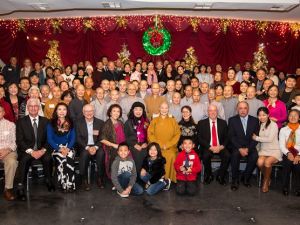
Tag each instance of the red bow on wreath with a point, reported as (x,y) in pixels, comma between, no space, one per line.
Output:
(156,38)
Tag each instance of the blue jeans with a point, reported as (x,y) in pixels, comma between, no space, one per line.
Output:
(124,179)
(153,188)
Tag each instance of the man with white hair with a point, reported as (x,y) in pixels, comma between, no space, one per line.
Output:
(31,138)
(88,131)
(212,138)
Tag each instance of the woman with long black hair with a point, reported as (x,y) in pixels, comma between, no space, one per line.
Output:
(268,149)
(61,138)
(136,133)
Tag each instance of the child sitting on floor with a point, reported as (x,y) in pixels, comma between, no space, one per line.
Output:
(153,170)
(123,173)
(187,166)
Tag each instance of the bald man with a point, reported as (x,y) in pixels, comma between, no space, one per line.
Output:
(240,131)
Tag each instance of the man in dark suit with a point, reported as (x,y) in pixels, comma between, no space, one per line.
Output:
(88,131)
(288,94)
(160,71)
(111,73)
(240,130)
(31,139)
(12,71)
(212,139)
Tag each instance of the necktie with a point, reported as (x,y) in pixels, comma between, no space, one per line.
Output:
(186,162)
(244,124)
(35,134)
(214,134)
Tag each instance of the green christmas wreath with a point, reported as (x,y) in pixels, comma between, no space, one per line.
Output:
(156,41)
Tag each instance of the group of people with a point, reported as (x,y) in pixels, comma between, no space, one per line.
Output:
(147,125)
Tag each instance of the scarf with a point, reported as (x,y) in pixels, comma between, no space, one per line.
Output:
(291,141)
(141,125)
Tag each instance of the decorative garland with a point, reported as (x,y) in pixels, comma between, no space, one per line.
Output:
(156,41)
(105,24)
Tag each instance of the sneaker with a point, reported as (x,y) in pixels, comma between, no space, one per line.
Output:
(113,188)
(122,195)
(168,184)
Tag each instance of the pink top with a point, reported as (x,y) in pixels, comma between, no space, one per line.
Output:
(152,77)
(278,111)
(120,136)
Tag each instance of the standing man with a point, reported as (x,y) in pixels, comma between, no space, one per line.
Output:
(287,95)
(12,71)
(240,131)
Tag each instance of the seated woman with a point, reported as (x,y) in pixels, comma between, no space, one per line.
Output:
(136,133)
(277,108)
(165,131)
(268,151)
(289,142)
(112,135)
(61,138)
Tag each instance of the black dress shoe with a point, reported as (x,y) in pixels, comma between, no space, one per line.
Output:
(221,181)
(50,186)
(297,193)
(234,186)
(86,185)
(100,183)
(21,194)
(246,183)
(208,179)
(285,192)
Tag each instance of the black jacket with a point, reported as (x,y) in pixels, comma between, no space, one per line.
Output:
(25,135)
(204,135)
(112,75)
(238,139)
(156,170)
(82,133)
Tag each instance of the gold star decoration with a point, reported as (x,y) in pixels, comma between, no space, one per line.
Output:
(225,23)
(121,22)
(56,24)
(194,22)
(88,25)
(261,27)
(295,28)
(21,25)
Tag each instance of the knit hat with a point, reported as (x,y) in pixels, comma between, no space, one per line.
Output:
(137,104)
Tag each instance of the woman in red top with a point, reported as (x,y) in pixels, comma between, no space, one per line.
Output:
(9,115)
(233,82)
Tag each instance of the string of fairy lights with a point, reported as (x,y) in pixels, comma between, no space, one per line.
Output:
(105,24)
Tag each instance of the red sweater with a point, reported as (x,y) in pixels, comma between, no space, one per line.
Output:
(194,163)
(9,115)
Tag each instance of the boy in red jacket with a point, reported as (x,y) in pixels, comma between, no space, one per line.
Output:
(187,166)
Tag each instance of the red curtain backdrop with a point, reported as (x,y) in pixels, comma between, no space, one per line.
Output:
(211,46)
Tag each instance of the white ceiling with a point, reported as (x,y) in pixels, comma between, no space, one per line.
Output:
(284,10)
